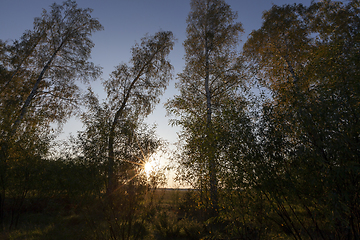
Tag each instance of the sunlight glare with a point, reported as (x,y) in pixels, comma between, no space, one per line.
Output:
(149,167)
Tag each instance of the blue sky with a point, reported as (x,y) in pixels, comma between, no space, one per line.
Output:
(125,22)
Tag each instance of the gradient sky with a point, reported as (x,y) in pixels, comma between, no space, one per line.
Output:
(126,22)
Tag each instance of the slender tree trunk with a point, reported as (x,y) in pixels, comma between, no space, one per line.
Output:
(111,155)
(111,180)
(210,140)
(33,92)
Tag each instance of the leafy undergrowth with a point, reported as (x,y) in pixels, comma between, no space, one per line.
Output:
(164,214)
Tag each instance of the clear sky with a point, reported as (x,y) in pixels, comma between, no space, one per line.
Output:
(126,22)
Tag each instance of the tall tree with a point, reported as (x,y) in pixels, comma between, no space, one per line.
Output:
(133,91)
(212,74)
(39,74)
(308,58)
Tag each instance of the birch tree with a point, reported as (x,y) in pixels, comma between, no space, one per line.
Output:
(212,76)
(40,74)
(133,90)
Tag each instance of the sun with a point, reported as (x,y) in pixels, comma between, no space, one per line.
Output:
(149,167)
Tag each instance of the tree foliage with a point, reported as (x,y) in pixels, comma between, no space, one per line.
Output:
(38,81)
(308,58)
(133,91)
(45,63)
(209,86)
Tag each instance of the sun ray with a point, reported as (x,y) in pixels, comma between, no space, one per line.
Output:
(147,166)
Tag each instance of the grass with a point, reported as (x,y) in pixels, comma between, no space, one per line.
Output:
(58,222)
(162,214)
